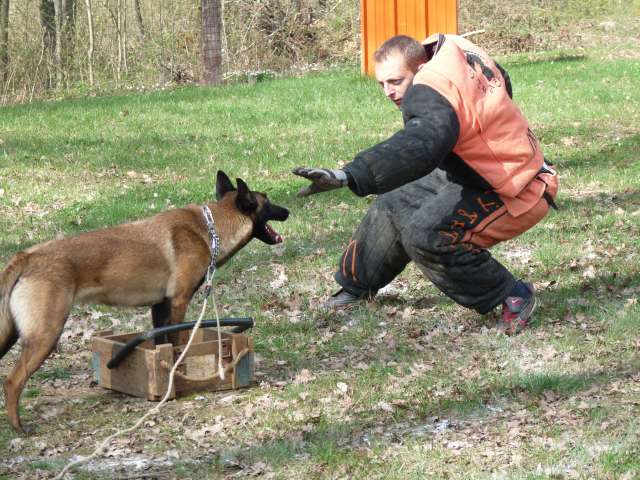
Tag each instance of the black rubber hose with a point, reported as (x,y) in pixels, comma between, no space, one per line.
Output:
(241,324)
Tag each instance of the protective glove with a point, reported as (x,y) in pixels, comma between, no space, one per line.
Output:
(322,180)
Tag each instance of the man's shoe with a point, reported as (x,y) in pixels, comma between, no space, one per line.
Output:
(516,311)
(342,298)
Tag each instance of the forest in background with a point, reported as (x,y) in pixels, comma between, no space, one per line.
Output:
(52,48)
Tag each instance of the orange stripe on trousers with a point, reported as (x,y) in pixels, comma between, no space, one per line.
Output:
(501,225)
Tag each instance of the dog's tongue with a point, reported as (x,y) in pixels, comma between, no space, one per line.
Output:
(273,234)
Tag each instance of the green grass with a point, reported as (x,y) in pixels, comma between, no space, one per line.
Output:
(557,401)
(53,373)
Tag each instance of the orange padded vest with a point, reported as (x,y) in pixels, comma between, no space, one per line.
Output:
(495,139)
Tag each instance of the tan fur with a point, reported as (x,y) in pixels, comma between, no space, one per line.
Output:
(158,262)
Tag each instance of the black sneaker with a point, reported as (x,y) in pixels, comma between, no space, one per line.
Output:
(342,298)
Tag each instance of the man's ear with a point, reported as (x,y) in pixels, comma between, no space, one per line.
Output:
(223,185)
(245,200)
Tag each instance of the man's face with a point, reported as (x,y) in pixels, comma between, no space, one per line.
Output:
(394,76)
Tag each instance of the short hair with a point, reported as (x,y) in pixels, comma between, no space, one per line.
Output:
(412,50)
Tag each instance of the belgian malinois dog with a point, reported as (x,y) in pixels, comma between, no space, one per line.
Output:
(159,262)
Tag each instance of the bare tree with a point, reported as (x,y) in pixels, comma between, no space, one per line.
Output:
(48,24)
(91,40)
(57,51)
(67,31)
(141,27)
(123,37)
(57,19)
(4,40)
(211,12)
(118,18)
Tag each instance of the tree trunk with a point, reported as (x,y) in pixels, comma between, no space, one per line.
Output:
(69,33)
(48,22)
(57,51)
(141,27)
(90,49)
(4,40)
(124,37)
(69,12)
(211,45)
(119,32)
(119,22)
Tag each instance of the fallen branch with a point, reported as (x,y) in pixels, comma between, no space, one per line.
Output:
(473,32)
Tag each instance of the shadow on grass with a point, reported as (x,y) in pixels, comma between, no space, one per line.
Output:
(612,153)
(176,150)
(331,442)
(558,57)
(328,435)
(603,200)
(555,300)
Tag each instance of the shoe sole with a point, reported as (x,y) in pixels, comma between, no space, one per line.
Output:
(525,316)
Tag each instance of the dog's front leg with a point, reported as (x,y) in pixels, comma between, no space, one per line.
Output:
(178,310)
(160,314)
(191,268)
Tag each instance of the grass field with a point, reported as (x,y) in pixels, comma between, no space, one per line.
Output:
(410,386)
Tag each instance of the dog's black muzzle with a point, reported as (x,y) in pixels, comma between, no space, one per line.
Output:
(263,231)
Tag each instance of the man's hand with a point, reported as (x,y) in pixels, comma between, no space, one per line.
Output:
(322,180)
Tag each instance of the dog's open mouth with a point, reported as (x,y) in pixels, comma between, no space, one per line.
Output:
(268,235)
(275,236)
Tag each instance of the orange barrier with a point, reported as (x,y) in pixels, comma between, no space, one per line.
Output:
(381,19)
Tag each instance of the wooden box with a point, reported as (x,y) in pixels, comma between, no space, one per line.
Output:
(145,372)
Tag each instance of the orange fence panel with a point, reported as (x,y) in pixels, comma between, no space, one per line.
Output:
(381,19)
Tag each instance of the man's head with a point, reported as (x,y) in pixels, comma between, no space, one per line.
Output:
(396,62)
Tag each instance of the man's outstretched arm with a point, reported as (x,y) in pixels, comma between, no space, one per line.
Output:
(430,132)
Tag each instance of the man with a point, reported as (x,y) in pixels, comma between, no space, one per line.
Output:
(464,173)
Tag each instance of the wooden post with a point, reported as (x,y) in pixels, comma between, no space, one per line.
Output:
(211,41)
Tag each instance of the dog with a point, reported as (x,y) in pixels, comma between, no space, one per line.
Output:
(160,262)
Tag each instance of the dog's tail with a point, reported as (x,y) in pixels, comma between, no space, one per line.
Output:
(8,278)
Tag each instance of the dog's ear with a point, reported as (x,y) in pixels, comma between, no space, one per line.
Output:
(245,201)
(223,185)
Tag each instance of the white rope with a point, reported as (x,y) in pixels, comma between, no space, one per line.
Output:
(215,248)
(215,309)
(154,410)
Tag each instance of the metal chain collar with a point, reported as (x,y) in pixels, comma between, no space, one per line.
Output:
(215,248)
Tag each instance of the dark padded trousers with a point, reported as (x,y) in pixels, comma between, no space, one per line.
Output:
(431,221)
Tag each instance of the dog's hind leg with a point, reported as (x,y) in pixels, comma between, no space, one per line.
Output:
(40,310)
